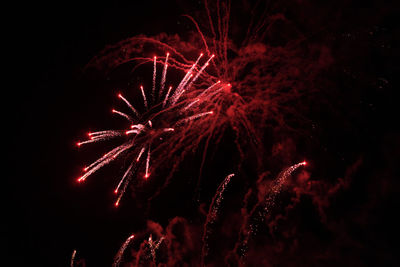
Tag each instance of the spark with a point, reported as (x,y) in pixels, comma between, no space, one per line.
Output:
(205,92)
(140,154)
(195,117)
(200,72)
(129,105)
(191,104)
(105,160)
(73,258)
(153,91)
(278,184)
(144,97)
(164,74)
(154,246)
(122,114)
(212,214)
(118,257)
(168,129)
(124,176)
(147,163)
(265,204)
(166,96)
(181,87)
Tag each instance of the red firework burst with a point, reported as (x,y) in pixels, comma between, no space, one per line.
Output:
(171,121)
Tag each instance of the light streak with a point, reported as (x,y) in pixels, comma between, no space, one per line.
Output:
(129,105)
(212,214)
(118,257)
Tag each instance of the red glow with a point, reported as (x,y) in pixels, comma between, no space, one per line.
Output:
(78,144)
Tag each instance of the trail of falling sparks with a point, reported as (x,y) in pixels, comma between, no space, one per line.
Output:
(266,204)
(278,184)
(147,163)
(129,105)
(180,89)
(144,97)
(212,214)
(105,160)
(153,91)
(123,115)
(140,136)
(166,96)
(195,117)
(164,75)
(154,246)
(73,258)
(118,257)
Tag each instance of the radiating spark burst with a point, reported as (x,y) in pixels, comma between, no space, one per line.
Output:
(73,258)
(266,81)
(118,256)
(171,122)
(154,246)
(212,214)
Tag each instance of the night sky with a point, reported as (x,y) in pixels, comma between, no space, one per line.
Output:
(350,137)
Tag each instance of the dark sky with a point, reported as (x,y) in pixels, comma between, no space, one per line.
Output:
(56,103)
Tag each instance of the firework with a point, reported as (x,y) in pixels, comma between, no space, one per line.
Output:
(212,213)
(144,137)
(118,257)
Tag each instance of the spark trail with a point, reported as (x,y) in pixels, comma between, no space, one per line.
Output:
(278,184)
(73,258)
(154,246)
(118,257)
(212,214)
(263,207)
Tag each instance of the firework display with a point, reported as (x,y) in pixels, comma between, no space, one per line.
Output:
(168,118)
(247,99)
(212,98)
